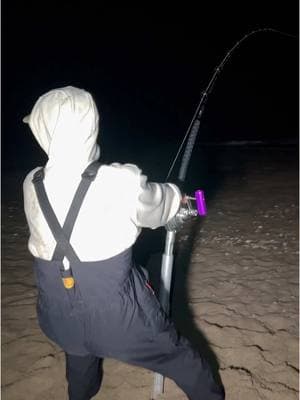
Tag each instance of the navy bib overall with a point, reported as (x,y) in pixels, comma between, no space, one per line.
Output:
(109,310)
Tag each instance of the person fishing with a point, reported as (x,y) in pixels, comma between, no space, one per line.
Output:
(84,217)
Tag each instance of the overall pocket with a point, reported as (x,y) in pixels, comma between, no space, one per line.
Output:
(148,302)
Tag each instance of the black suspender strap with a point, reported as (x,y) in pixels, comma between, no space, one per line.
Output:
(87,178)
(51,217)
(63,234)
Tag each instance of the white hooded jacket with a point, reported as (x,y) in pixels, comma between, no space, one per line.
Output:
(118,203)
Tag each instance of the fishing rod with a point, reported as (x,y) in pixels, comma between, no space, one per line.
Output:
(193,128)
(194,205)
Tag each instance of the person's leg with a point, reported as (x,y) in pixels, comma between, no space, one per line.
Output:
(84,376)
(173,356)
(143,335)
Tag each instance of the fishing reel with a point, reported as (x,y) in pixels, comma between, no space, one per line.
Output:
(192,207)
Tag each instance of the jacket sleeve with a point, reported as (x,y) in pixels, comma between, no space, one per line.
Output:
(156,203)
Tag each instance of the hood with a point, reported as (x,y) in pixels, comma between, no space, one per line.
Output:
(65,122)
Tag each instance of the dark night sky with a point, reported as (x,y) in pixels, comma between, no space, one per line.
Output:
(146,68)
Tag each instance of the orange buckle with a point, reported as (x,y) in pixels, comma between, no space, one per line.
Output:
(68,282)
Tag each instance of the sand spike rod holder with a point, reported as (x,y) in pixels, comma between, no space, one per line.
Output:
(167,265)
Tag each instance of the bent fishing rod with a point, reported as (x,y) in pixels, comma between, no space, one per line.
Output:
(194,126)
(194,205)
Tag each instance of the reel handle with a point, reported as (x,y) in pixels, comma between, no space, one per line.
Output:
(197,205)
(201,204)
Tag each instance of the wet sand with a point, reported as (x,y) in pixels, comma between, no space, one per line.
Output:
(235,290)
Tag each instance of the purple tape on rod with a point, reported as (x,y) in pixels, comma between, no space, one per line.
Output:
(200,201)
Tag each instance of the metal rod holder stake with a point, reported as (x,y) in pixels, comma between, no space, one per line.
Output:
(164,297)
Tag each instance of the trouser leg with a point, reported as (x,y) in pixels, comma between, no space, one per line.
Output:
(151,341)
(84,376)
(173,357)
